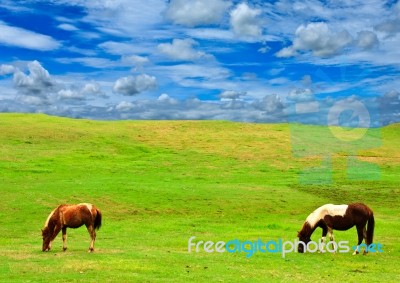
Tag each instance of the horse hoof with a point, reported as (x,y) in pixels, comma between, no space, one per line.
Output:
(64,249)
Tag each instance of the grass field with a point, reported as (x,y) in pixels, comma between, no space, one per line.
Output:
(158,183)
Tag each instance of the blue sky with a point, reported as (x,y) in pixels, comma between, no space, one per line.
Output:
(320,62)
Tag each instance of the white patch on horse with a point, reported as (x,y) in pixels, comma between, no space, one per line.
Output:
(88,205)
(337,210)
(48,218)
(327,209)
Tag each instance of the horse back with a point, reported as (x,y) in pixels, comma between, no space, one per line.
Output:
(74,216)
(355,214)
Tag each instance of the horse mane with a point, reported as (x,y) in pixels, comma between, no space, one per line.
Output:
(51,222)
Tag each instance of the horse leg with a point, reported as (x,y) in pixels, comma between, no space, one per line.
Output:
(331,238)
(92,233)
(323,238)
(365,239)
(64,237)
(360,234)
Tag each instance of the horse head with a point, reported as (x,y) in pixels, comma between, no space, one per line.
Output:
(303,238)
(46,239)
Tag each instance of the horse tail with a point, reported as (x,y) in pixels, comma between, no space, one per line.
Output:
(370,228)
(97,220)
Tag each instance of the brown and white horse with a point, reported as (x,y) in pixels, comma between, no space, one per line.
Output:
(331,217)
(71,216)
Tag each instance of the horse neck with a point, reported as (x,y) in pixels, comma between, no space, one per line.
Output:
(307,229)
(52,222)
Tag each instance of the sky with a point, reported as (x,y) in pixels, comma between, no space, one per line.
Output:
(318,62)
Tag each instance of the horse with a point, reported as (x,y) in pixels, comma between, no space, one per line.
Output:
(331,217)
(71,216)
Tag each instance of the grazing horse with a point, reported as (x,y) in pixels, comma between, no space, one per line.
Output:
(71,216)
(331,217)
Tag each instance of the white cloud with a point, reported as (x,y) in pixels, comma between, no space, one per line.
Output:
(390,27)
(6,69)
(163,96)
(287,52)
(319,39)
(196,12)
(38,81)
(270,104)
(195,75)
(32,100)
(231,94)
(15,36)
(182,50)
(123,17)
(70,94)
(245,21)
(301,94)
(166,98)
(73,92)
(92,88)
(133,85)
(367,39)
(124,106)
(135,60)
(10,5)
(67,27)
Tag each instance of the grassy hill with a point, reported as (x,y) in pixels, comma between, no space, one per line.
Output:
(160,182)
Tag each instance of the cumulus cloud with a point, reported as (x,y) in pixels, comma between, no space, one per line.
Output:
(196,12)
(245,21)
(301,94)
(70,94)
(37,87)
(390,27)
(195,109)
(270,104)
(182,50)
(80,93)
(32,100)
(15,36)
(92,88)
(167,98)
(367,39)
(7,69)
(37,82)
(319,39)
(231,94)
(133,85)
(124,106)
(135,60)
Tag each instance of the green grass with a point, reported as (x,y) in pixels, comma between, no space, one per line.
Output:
(160,182)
